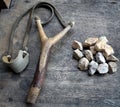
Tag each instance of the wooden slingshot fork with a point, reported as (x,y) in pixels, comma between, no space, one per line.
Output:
(47,43)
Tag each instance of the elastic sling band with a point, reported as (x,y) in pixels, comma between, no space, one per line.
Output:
(46,5)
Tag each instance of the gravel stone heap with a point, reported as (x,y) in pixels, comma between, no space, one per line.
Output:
(95,55)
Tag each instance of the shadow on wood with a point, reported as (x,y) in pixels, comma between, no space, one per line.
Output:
(5,4)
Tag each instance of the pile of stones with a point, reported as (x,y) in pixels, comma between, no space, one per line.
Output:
(95,55)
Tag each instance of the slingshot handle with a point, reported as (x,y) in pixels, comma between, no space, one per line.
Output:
(39,76)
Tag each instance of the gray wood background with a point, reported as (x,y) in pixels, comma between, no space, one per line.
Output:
(65,85)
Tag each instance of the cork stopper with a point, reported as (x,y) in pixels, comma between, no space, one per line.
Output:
(33,95)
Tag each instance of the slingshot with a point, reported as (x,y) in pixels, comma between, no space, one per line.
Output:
(21,61)
(47,43)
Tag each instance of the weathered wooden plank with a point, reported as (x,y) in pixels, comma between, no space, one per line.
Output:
(86,103)
(64,89)
(78,103)
(65,85)
(100,9)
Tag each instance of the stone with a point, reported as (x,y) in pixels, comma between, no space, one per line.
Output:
(103,68)
(100,45)
(100,58)
(83,64)
(103,38)
(88,55)
(108,50)
(92,49)
(112,67)
(77,54)
(77,45)
(112,58)
(92,67)
(90,41)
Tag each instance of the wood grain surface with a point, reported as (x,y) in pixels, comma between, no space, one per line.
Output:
(65,85)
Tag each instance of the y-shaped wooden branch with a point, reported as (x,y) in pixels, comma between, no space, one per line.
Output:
(47,43)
